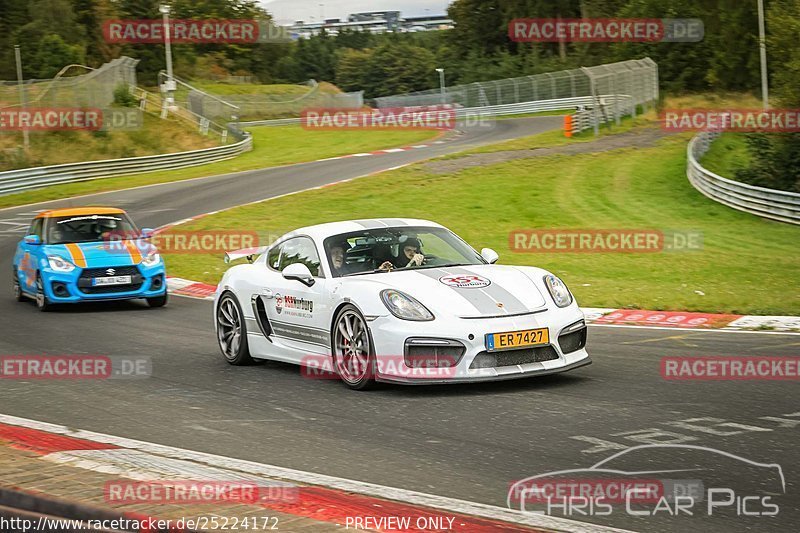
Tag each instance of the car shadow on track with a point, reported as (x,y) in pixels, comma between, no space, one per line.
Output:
(280,370)
(94,307)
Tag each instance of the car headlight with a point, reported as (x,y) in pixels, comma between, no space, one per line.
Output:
(60,264)
(404,306)
(558,290)
(151,260)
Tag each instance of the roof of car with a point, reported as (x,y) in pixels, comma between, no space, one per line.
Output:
(80,211)
(322,231)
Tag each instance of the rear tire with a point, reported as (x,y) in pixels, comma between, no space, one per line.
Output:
(232,331)
(158,301)
(42,302)
(351,346)
(15,287)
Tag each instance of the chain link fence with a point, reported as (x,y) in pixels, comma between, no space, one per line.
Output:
(235,107)
(615,90)
(95,88)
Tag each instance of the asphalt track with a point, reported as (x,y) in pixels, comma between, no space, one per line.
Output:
(462,441)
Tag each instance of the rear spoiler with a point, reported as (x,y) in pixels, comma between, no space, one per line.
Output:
(249,253)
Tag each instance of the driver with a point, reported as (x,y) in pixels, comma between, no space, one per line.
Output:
(410,249)
(337,251)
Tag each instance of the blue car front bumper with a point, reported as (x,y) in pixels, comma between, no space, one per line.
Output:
(77,286)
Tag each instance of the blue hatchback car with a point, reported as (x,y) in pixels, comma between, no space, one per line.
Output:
(87,254)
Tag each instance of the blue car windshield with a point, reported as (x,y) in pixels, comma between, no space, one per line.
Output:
(89,228)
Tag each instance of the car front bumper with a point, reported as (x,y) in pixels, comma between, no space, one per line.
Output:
(73,287)
(391,335)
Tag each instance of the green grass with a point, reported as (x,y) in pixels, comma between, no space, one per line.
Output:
(747,265)
(156,136)
(273,146)
(289,91)
(728,153)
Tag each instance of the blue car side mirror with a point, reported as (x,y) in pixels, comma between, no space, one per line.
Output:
(32,239)
(146,233)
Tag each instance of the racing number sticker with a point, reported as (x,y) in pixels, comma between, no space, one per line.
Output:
(465,281)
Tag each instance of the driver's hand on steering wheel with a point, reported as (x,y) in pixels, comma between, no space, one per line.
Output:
(417,260)
(387,265)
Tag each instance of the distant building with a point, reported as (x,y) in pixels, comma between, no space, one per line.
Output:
(374,22)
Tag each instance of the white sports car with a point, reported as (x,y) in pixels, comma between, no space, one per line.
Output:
(396,300)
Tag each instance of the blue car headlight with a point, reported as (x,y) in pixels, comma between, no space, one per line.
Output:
(59,264)
(151,260)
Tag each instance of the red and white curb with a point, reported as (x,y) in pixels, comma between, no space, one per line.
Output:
(319,497)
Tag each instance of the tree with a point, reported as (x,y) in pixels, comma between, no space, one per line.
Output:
(53,54)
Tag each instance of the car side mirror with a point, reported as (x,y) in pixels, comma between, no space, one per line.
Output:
(32,239)
(489,255)
(298,272)
(146,233)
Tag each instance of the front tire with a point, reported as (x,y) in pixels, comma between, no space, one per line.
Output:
(353,355)
(42,302)
(231,331)
(158,301)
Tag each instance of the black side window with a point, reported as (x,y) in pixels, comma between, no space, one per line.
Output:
(273,257)
(36,227)
(300,250)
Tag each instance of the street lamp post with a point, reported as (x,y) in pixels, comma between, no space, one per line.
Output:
(762,40)
(170,85)
(441,84)
(23,104)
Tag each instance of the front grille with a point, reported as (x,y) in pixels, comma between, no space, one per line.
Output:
(433,353)
(85,280)
(574,341)
(89,273)
(521,356)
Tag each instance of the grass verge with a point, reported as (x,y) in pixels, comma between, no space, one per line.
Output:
(747,265)
(272,146)
(728,153)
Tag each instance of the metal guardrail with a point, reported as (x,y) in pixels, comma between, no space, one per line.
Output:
(778,205)
(31,178)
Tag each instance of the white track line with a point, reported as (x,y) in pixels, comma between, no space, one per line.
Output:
(410,497)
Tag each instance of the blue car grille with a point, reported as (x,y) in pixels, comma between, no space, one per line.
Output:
(85,280)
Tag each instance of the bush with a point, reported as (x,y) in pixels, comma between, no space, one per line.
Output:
(123,96)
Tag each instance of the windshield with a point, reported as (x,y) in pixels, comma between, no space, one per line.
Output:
(88,228)
(402,248)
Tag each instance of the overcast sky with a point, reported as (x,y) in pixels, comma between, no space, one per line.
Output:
(285,11)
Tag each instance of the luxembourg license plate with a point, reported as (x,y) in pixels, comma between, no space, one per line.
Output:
(517,339)
(111,280)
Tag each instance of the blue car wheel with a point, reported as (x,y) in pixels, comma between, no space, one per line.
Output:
(41,298)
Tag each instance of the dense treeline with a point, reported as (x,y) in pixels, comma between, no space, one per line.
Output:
(54,33)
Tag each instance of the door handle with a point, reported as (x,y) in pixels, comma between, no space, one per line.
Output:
(267,293)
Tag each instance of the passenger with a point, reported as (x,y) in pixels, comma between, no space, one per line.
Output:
(409,255)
